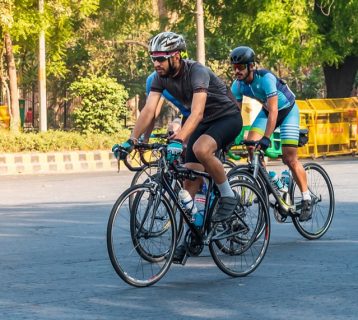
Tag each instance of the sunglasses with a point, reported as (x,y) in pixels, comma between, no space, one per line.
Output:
(239,66)
(162,58)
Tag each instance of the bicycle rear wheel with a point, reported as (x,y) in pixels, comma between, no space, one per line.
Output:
(239,244)
(323,203)
(141,237)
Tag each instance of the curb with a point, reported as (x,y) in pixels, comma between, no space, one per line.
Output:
(56,162)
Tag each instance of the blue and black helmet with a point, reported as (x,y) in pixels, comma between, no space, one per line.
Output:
(242,55)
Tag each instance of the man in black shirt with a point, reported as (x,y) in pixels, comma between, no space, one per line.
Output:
(213,123)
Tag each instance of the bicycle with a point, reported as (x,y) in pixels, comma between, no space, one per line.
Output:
(288,204)
(141,238)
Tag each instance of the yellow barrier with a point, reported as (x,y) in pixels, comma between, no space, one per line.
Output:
(350,114)
(4,117)
(332,125)
(331,128)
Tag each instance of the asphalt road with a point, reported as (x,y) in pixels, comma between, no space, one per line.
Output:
(54,262)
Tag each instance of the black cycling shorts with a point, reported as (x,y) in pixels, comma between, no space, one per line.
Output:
(223,131)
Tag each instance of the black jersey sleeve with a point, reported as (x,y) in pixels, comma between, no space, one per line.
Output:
(200,78)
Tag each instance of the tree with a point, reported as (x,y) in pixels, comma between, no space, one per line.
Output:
(286,35)
(338,25)
(21,19)
(5,26)
(102,104)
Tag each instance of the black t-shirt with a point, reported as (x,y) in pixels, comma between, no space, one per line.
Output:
(194,77)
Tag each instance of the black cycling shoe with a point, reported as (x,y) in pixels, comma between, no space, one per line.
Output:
(179,254)
(225,209)
(306,211)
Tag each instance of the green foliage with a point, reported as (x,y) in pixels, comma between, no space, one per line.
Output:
(24,22)
(103,103)
(307,83)
(337,23)
(58,141)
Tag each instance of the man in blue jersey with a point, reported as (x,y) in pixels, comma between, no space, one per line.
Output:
(278,110)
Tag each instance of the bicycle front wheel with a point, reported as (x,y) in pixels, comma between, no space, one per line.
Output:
(322,202)
(239,244)
(141,237)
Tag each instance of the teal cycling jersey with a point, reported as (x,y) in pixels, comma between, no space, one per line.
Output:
(167,96)
(264,85)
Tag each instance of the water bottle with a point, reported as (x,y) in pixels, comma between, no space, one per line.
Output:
(277,181)
(187,201)
(199,218)
(199,202)
(286,178)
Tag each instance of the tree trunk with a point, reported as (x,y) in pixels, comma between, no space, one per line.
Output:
(200,39)
(14,94)
(339,81)
(42,76)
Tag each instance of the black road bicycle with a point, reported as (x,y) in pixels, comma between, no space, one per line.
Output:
(288,204)
(142,235)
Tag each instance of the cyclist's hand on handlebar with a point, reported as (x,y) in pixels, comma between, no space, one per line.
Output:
(127,146)
(264,143)
(174,150)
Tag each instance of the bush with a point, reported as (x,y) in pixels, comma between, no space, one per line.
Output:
(103,103)
(58,141)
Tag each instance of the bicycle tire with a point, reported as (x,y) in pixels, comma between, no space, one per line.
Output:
(128,259)
(246,244)
(323,202)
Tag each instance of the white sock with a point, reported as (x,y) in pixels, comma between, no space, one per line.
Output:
(225,189)
(306,195)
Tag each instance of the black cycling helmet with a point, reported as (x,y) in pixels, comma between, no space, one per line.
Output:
(167,42)
(242,55)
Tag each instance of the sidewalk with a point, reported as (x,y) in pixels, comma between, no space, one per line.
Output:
(56,162)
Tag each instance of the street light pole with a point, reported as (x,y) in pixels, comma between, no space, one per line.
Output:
(42,74)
